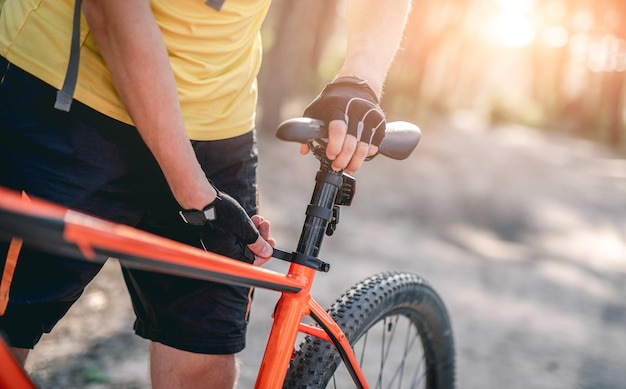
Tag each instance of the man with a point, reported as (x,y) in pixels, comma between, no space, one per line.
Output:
(154,74)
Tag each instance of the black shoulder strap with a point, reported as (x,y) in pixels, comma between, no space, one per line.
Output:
(215,4)
(66,94)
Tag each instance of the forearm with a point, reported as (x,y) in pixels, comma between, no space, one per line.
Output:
(135,54)
(374,33)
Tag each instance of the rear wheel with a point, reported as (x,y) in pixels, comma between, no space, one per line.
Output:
(400,332)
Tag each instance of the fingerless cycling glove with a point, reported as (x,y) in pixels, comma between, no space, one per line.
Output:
(350,99)
(224,214)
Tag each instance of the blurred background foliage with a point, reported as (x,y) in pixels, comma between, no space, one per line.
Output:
(553,64)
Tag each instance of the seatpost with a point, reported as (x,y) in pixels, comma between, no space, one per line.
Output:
(320,210)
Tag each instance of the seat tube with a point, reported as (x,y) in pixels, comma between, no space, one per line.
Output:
(292,308)
(289,312)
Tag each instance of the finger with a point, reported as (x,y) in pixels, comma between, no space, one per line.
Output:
(358,157)
(304,149)
(344,157)
(263,225)
(372,151)
(336,137)
(258,260)
(261,248)
(257,220)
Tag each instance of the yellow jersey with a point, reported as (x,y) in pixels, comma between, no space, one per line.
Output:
(215,57)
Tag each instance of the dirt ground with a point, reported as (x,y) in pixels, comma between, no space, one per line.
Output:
(523,235)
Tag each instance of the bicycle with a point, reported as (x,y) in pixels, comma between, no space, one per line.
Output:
(397,311)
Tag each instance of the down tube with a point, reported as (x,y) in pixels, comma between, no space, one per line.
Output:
(290,310)
(289,313)
(340,341)
(12,374)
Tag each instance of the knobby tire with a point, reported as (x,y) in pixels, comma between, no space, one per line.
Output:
(399,329)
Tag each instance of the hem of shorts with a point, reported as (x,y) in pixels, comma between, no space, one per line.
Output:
(28,343)
(221,346)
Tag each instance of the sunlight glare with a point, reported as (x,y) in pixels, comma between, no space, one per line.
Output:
(512,25)
(514,30)
(555,36)
(516,6)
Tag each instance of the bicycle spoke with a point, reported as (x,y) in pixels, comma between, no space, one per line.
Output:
(382,355)
(362,358)
(386,345)
(391,349)
(418,378)
(417,344)
(399,373)
(392,372)
(409,343)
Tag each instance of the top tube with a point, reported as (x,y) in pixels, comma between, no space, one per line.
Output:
(57,229)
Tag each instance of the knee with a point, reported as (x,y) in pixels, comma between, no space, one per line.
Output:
(171,368)
(20,354)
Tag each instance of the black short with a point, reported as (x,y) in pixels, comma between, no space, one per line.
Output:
(92,163)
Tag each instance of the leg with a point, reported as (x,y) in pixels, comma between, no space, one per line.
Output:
(196,327)
(20,354)
(171,369)
(64,158)
(42,290)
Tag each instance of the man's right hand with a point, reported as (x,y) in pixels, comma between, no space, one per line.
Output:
(227,217)
(260,247)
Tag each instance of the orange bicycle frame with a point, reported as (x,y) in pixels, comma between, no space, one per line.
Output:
(89,238)
(44,225)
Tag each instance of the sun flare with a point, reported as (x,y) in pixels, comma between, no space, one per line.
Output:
(512,24)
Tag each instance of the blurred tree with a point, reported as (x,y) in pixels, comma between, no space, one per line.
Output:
(613,17)
(300,33)
(432,27)
(566,71)
(599,107)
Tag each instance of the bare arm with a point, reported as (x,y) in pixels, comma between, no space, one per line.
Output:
(134,52)
(133,49)
(374,33)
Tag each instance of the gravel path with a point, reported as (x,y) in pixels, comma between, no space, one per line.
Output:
(523,235)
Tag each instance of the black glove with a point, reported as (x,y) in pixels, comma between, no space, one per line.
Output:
(350,99)
(224,214)
(216,241)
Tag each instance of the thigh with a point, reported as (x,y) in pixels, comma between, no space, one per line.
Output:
(232,166)
(82,160)
(43,287)
(79,159)
(193,315)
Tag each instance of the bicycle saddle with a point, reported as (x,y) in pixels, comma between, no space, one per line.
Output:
(400,139)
